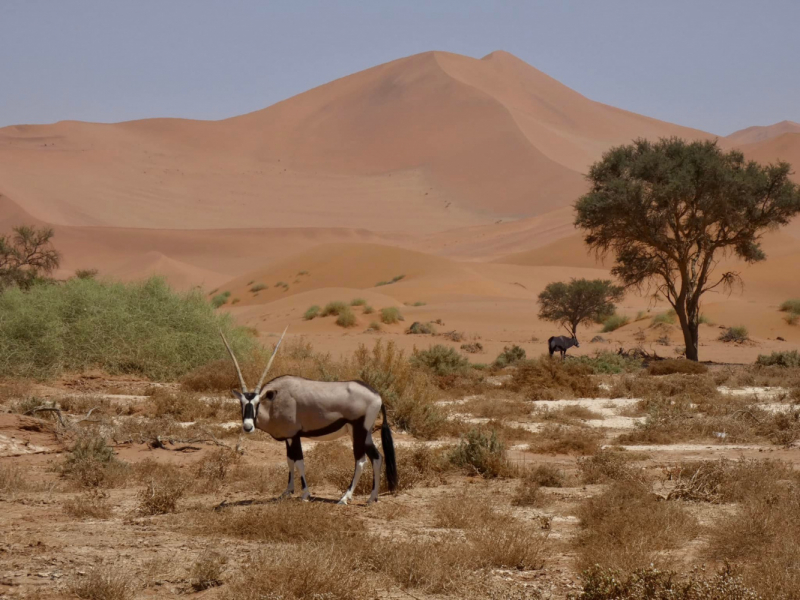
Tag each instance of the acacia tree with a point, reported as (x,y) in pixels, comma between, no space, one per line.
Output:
(579,301)
(26,256)
(668,211)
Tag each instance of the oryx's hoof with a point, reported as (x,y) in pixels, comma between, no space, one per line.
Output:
(342,502)
(286,494)
(306,497)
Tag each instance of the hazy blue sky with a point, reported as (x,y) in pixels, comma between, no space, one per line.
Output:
(715,65)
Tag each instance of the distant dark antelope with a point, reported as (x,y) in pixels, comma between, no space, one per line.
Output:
(289,408)
(561,344)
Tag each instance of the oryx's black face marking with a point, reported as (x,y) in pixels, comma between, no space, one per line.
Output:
(249,402)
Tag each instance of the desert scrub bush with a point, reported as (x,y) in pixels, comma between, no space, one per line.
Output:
(786,358)
(219,299)
(737,335)
(614,322)
(367,310)
(654,584)
(12,480)
(609,363)
(440,360)
(762,538)
(143,328)
(92,504)
(104,582)
(358,302)
(549,379)
(206,571)
(561,439)
(409,392)
(418,328)
(510,355)
(791,306)
(334,308)
(627,528)
(91,463)
(671,366)
(346,318)
(374,326)
(312,312)
(394,279)
(258,287)
(666,318)
(328,572)
(472,347)
(213,469)
(481,452)
(606,466)
(161,494)
(391,315)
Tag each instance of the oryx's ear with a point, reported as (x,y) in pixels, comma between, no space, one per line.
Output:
(268,394)
(237,394)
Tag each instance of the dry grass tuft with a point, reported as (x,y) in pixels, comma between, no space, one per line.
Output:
(161,494)
(91,463)
(627,528)
(207,570)
(562,439)
(672,366)
(92,504)
(214,468)
(551,379)
(462,511)
(104,582)
(12,480)
(607,466)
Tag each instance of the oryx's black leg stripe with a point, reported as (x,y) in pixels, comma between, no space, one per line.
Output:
(372,452)
(294,449)
(303,482)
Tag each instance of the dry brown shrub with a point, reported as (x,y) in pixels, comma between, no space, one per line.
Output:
(546,476)
(92,504)
(561,439)
(529,493)
(309,571)
(206,571)
(670,366)
(576,411)
(104,582)
(626,527)
(91,463)
(14,389)
(12,480)
(213,469)
(462,511)
(607,466)
(279,521)
(508,544)
(729,481)
(691,388)
(161,494)
(258,479)
(552,379)
(185,406)
(496,408)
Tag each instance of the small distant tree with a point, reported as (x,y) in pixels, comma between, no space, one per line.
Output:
(669,210)
(579,301)
(27,256)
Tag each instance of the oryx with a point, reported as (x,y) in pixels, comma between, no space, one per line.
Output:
(289,408)
(562,343)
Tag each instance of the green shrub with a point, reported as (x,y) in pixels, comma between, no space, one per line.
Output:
(609,362)
(220,299)
(346,318)
(391,315)
(303,273)
(417,303)
(481,453)
(311,313)
(734,334)
(394,279)
(439,359)
(358,302)
(282,284)
(509,356)
(368,310)
(86,273)
(792,318)
(374,326)
(704,320)
(786,358)
(236,301)
(667,318)
(334,308)
(258,287)
(143,328)
(614,322)
(421,328)
(791,306)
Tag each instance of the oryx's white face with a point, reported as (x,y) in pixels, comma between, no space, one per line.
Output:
(249,402)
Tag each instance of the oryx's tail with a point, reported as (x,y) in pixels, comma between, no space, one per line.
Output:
(388,451)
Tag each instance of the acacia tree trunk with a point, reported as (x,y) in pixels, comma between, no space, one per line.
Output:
(689,319)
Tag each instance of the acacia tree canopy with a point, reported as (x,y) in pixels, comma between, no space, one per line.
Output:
(579,301)
(26,256)
(669,210)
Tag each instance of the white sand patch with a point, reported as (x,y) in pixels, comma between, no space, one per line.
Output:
(608,407)
(615,422)
(763,393)
(697,448)
(10,446)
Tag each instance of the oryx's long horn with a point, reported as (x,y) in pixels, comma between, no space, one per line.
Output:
(269,364)
(235,363)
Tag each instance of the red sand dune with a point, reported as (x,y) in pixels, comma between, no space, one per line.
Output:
(759,133)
